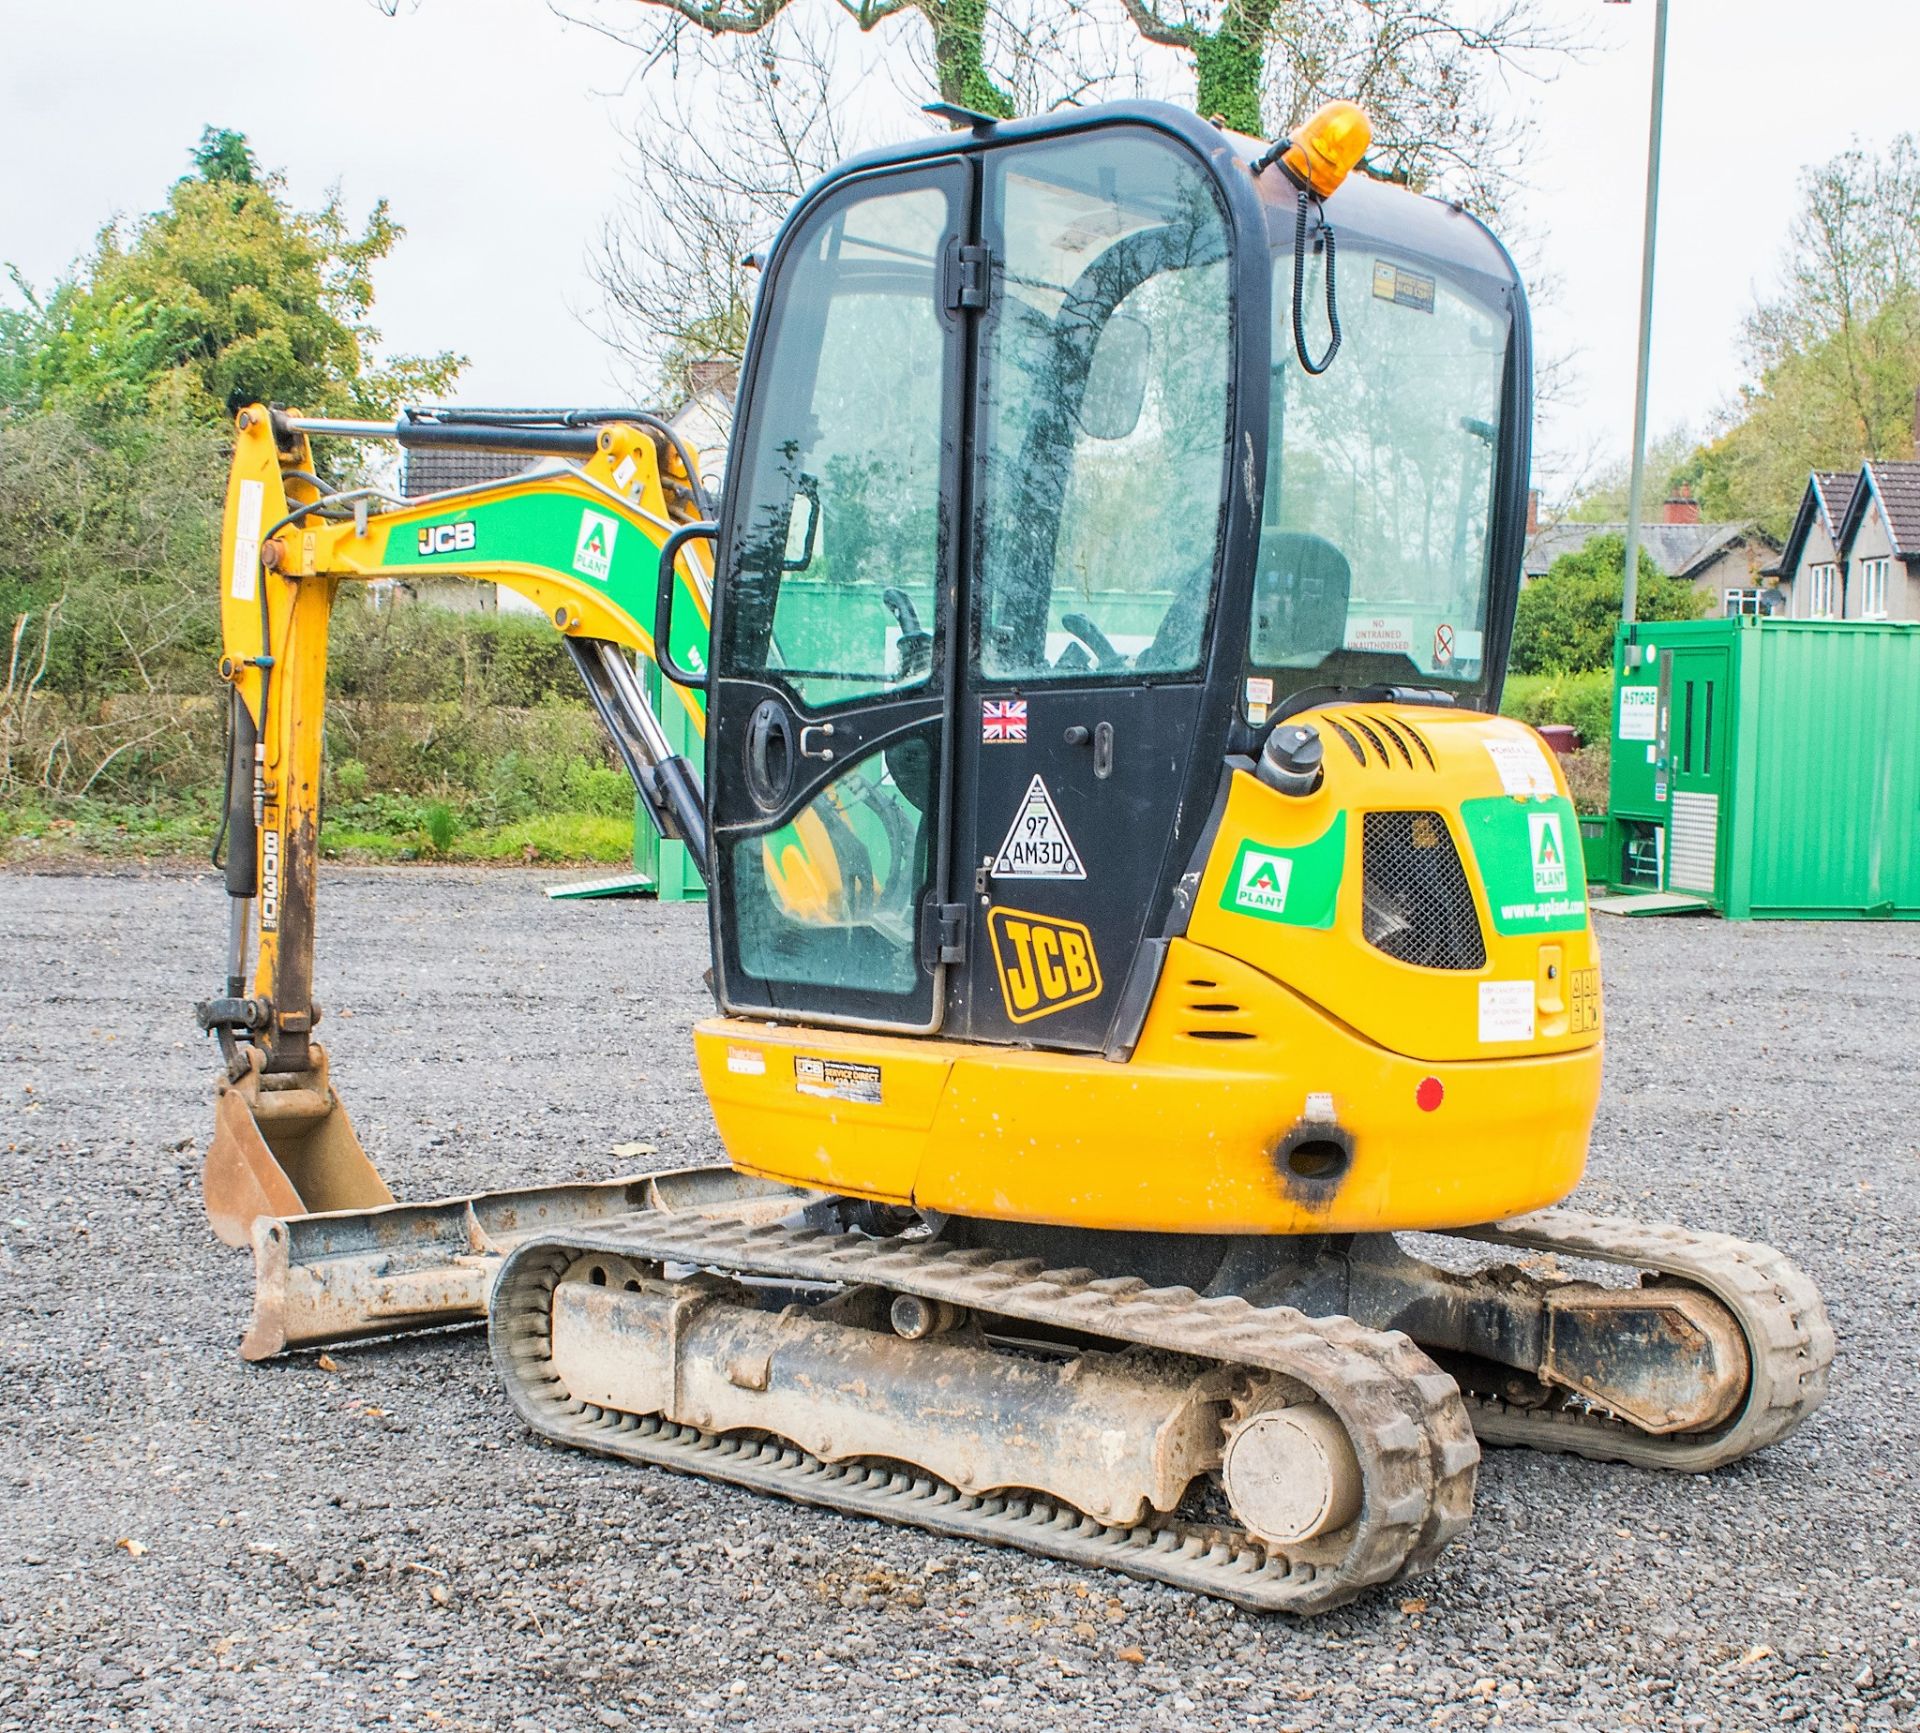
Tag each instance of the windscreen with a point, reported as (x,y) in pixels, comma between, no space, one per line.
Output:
(1373,563)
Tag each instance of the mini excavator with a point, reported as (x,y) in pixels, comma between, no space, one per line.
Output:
(1128,914)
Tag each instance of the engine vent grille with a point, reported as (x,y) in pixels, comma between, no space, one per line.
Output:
(1416,904)
(1374,739)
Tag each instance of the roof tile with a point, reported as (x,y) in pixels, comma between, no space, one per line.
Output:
(1898,486)
(437,468)
(1677,549)
(1834,490)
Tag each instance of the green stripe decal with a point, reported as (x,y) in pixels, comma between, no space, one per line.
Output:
(563,534)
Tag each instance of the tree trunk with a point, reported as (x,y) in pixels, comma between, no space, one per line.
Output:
(959,56)
(1229,63)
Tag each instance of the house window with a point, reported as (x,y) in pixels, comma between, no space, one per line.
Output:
(1743,602)
(1823,592)
(1873,589)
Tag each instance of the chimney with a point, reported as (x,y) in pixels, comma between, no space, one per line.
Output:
(713,378)
(1681,507)
(1916,421)
(1533,493)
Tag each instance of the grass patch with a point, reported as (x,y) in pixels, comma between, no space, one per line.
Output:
(33,830)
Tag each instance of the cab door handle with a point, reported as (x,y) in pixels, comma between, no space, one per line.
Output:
(1101,734)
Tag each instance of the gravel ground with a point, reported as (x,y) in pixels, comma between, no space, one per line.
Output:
(191,1542)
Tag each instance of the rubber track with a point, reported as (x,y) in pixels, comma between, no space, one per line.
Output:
(1778,1309)
(1410,1427)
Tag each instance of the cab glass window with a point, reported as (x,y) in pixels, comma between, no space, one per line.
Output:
(1373,562)
(1106,427)
(838,544)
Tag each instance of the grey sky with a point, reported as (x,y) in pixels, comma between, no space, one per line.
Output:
(491,127)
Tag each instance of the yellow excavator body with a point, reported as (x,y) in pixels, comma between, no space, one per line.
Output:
(1345,1090)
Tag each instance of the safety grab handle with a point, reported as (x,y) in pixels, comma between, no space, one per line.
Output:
(663,603)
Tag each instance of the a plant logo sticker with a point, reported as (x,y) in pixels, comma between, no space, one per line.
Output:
(593,552)
(1548,847)
(1262,889)
(1298,887)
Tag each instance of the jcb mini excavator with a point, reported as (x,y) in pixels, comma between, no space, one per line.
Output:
(1128,915)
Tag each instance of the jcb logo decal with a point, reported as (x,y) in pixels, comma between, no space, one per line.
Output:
(447,538)
(1045,964)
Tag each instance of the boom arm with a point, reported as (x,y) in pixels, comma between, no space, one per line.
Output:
(582,540)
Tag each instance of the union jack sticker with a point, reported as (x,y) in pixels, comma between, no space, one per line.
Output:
(1003,721)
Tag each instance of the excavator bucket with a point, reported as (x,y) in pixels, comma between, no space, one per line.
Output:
(349,1274)
(283,1146)
(336,1258)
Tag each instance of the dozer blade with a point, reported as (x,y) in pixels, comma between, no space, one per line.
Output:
(342,1275)
(283,1146)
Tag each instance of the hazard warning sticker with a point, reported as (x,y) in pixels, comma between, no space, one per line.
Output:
(1521,763)
(1506,1011)
(1037,845)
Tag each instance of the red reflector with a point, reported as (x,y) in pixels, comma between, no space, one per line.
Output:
(1430,1094)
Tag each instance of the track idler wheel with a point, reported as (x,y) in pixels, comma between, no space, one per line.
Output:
(1291,1475)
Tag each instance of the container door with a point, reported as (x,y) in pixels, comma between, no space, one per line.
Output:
(833,659)
(1698,730)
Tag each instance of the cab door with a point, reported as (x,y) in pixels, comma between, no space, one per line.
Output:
(1102,434)
(833,659)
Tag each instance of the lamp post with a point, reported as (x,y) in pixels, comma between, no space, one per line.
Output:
(1636,487)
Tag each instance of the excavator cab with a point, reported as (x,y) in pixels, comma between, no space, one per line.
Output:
(1034,519)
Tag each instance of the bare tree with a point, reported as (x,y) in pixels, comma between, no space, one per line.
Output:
(1434,77)
(709,185)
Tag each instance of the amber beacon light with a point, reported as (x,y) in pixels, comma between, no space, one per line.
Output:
(1325,149)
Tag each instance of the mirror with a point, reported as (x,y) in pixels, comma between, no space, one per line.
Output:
(1116,384)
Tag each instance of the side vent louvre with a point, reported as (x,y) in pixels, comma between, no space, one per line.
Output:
(1373,739)
(1416,904)
(1353,746)
(1215,1019)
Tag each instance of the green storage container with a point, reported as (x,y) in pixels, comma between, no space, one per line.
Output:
(1596,852)
(1769,767)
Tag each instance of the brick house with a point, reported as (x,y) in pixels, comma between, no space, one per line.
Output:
(1730,563)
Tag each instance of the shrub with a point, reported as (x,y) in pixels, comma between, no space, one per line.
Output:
(1583,701)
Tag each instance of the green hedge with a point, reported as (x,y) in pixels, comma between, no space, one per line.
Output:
(1584,701)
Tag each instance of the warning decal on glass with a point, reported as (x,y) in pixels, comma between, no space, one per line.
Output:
(1386,634)
(1402,287)
(1037,844)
